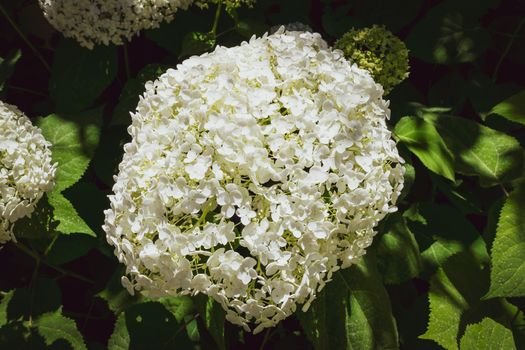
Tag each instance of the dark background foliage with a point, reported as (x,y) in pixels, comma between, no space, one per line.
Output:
(430,262)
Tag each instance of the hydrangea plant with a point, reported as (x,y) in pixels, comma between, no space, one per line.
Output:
(26,169)
(254,173)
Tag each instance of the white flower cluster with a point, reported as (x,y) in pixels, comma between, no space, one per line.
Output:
(254,173)
(26,171)
(93,22)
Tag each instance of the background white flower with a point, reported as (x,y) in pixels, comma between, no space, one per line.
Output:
(92,22)
(26,170)
(254,173)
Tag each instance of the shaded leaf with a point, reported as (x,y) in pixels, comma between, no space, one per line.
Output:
(354,312)
(425,142)
(7,66)
(480,151)
(79,75)
(196,43)
(67,248)
(508,250)
(487,335)
(213,317)
(449,34)
(398,252)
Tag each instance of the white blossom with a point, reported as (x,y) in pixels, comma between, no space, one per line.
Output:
(26,170)
(253,174)
(92,22)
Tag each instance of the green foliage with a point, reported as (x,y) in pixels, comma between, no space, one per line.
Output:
(508,250)
(512,108)
(422,138)
(7,66)
(428,280)
(79,75)
(353,312)
(53,326)
(486,335)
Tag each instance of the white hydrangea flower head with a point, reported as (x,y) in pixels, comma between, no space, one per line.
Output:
(92,22)
(26,169)
(254,173)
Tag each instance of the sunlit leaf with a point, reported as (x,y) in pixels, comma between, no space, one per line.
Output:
(487,335)
(512,108)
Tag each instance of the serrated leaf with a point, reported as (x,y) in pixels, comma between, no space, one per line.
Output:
(119,339)
(74,139)
(512,108)
(398,252)
(6,298)
(452,289)
(480,151)
(213,317)
(354,312)
(424,141)
(7,65)
(75,86)
(487,335)
(508,250)
(67,216)
(53,326)
(450,33)
(442,231)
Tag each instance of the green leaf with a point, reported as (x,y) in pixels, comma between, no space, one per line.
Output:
(7,66)
(450,33)
(398,252)
(442,231)
(53,326)
(354,312)
(480,151)
(180,307)
(512,108)
(67,248)
(487,335)
(508,250)
(74,139)
(66,214)
(133,89)
(213,317)
(453,289)
(196,43)
(424,141)
(6,299)
(115,295)
(79,75)
(151,326)
(119,339)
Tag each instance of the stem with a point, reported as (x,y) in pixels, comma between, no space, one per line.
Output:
(64,272)
(24,38)
(504,190)
(48,249)
(29,91)
(265,340)
(216,20)
(126,61)
(507,49)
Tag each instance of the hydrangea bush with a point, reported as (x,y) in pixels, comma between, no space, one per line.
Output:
(254,173)
(92,22)
(292,190)
(26,169)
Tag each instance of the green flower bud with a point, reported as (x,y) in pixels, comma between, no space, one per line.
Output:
(378,51)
